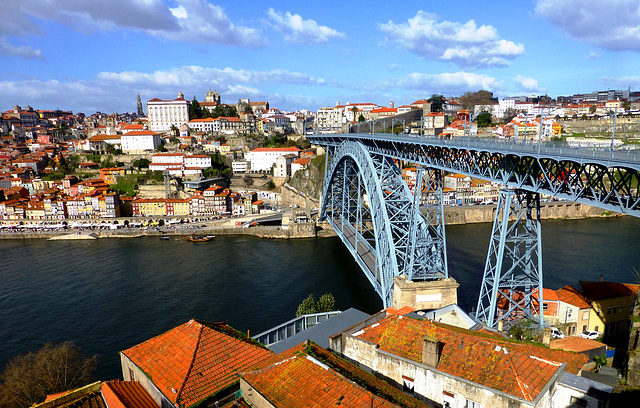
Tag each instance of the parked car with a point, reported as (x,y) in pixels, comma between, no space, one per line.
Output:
(556,334)
(589,334)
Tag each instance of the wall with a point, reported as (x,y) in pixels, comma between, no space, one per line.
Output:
(429,383)
(422,295)
(555,210)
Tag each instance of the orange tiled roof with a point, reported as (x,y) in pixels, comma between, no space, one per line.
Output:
(196,359)
(299,381)
(572,296)
(576,344)
(519,369)
(129,394)
(607,290)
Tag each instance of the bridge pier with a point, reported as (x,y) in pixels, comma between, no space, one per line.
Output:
(421,295)
(512,282)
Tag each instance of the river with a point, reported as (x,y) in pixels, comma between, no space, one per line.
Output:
(107,295)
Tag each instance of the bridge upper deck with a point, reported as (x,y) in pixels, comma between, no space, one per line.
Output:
(531,148)
(609,179)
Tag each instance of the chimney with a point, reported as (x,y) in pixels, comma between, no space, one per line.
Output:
(431,350)
(601,278)
(546,337)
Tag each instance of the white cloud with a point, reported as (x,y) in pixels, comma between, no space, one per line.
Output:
(296,29)
(195,21)
(612,25)
(593,55)
(527,84)
(466,45)
(116,91)
(450,83)
(22,51)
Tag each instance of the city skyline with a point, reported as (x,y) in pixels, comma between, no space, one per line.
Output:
(96,56)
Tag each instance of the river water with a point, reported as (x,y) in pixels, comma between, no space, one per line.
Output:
(107,295)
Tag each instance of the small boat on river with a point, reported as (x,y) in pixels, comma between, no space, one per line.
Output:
(200,238)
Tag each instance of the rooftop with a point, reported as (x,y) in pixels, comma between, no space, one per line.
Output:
(196,359)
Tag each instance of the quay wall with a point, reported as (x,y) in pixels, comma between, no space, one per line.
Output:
(549,211)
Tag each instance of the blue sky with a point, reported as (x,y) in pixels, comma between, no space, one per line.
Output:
(96,55)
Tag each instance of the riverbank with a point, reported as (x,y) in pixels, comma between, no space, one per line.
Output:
(468,214)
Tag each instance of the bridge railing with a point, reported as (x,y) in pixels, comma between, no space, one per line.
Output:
(292,327)
(629,154)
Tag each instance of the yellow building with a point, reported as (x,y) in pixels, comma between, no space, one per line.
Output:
(612,303)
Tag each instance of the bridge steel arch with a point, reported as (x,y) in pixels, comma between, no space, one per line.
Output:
(377,217)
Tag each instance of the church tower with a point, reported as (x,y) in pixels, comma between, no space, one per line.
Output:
(140,110)
(180,95)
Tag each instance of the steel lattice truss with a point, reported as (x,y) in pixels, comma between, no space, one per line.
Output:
(513,269)
(591,177)
(377,217)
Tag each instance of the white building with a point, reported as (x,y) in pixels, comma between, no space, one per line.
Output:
(179,163)
(166,113)
(240,166)
(283,165)
(263,158)
(140,141)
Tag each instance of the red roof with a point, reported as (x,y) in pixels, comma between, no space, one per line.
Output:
(572,296)
(519,369)
(196,359)
(126,394)
(140,133)
(302,381)
(607,290)
(276,149)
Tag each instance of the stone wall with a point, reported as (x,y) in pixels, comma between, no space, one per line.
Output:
(422,295)
(555,210)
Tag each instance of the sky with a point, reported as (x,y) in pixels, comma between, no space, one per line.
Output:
(97,55)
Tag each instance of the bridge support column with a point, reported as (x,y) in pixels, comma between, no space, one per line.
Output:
(432,199)
(512,282)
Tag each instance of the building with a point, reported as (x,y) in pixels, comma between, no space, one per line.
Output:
(613,302)
(451,366)
(196,362)
(283,165)
(163,114)
(264,158)
(140,141)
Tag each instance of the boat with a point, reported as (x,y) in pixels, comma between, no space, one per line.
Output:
(200,238)
(164,238)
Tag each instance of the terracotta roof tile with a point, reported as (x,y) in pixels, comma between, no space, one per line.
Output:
(607,290)
(196,359)
(572,296)
(518,369)
(301,381)
(126,394)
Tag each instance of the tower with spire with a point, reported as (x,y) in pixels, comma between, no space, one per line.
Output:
(140,110)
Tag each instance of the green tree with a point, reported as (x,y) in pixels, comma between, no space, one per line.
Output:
(601,361)
(161,148)
(141,162)
(270,185)
(361,118)
(437,102)
(308,306)
(326,303)
(29,378)
(509,114)
(195,110)
(483,119)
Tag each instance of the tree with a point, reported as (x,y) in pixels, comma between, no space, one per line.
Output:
(326,303)
(308,306)
(601,361)
(29,378)
(472,99)
(361,118)
(437,102)
(509,114)
(483,119)
(248,181)
(270,185)
(195,110)
(141,162)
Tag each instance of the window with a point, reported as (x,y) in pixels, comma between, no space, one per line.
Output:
(131,376)
(473,404)
(408,385)
(585,315)
(609,310)
(596,328)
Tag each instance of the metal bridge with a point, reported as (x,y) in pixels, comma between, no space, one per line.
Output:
(378,216)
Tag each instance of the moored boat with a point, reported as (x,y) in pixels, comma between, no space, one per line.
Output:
(199,238)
